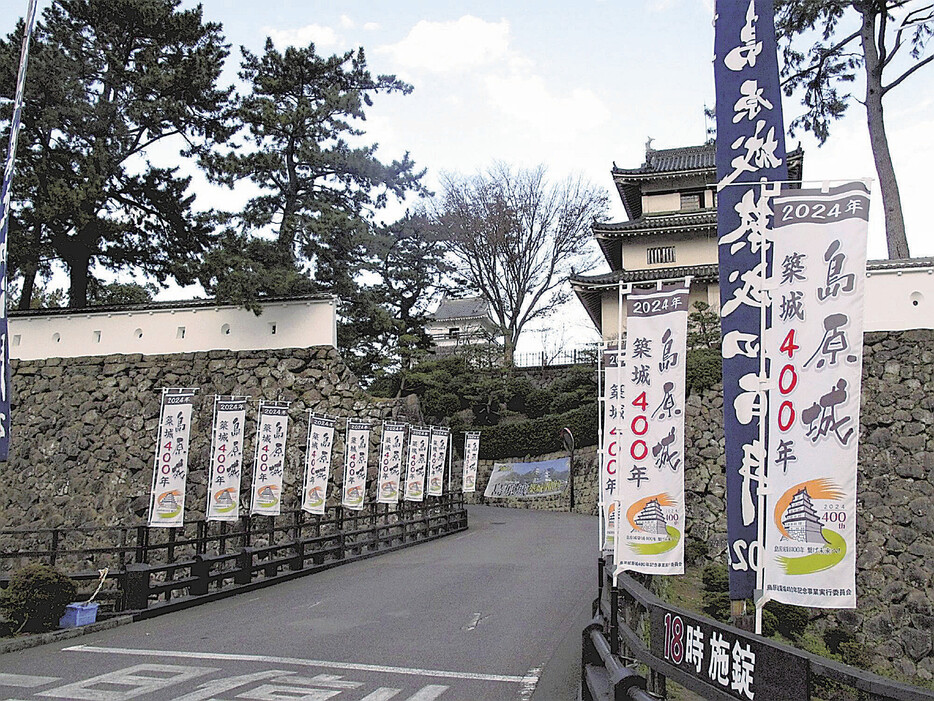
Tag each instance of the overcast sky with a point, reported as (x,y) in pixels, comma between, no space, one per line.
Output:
(576,86)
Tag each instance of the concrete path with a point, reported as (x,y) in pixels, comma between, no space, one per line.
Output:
(492,613)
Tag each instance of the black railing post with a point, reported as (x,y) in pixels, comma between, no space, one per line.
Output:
(614,620)
(201,546)
(244,573)
(142,544)
(136,586)
(200,570)
(54,550)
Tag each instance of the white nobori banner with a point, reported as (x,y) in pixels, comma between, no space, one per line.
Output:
(471,461)
(391,457)
(170,474)
(417,463)
(272,428)
(613,364)
(815,352)
(650,522)
(356,456)
(436,460)
(226,458)
(319,447)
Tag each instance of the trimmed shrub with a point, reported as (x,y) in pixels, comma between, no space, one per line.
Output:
(790,620)
(538,402)
(36,598)
(539,436)
(519,389)
(703,369)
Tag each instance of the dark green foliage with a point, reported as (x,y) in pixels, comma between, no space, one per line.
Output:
(836,637)
(538,436)
(565,401)
(520,387)
(703,369)
(36,598)
(769,623)
(106,80)
(695,551)
(716,591)
(538,403)
(437,402)
(790,620)
(119,293)
(703,327)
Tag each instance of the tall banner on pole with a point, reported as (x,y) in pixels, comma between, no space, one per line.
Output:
(436,460)
(610,444)
(750,148)
(226,459)
(6,192)
(272,427)
(318,449)
(471,461)
(815,352)
(417,463)
(170,473)
(390,463)
(356,456)
(650,523)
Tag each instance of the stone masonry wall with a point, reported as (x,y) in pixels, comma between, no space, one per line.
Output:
(84,429)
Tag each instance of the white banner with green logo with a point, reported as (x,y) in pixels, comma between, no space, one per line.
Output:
(390,463)
(471,461)
(417,463)
(226,458)
(170,473)
(269,462)
(356,454)
(436,460)
(318,449)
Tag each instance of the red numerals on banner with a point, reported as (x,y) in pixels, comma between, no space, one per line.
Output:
(220,458)
(639,425)
(787,381)
(166,460)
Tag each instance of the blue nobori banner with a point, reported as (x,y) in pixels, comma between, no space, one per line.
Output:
(750,148)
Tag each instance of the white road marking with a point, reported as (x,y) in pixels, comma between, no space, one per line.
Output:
(329,681)
(428,693)
(473,622)
(528,686)
(220,686)
(137,680)
(24,681)
(314,604)
(384,693)
(274,659)
(278,692)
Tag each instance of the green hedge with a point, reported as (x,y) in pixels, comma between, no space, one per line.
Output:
(539,436)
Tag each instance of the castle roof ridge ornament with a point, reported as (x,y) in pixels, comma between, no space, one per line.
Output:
(649,151)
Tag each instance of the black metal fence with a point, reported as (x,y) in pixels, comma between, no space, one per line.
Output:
(158,569)
(634,630)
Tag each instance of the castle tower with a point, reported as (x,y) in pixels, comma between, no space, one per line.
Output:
(801,520)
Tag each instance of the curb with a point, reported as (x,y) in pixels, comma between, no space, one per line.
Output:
(65,634)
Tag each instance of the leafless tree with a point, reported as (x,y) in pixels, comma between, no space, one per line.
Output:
(514,237)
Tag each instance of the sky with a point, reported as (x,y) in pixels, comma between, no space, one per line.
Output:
(574,86)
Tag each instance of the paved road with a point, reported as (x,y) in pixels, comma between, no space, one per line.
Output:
(492,613)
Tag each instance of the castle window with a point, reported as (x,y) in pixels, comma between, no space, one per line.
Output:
(453,333)
(272,329)
(692,201)
(97,336)
(180,333)
(660,254)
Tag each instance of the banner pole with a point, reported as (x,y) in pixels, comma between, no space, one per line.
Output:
(763,416)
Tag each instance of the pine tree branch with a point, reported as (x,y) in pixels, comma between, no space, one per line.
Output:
(907,73)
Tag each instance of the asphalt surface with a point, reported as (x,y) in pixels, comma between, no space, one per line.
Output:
(493,613)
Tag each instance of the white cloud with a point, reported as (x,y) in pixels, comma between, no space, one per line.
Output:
(371,26)
(441,47)
(324,38)
(529,99)
(346,22)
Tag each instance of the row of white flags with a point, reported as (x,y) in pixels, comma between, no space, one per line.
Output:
(409,456)
(806,461)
